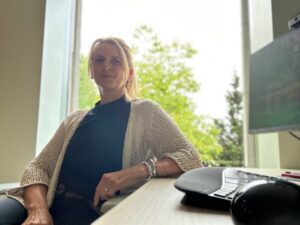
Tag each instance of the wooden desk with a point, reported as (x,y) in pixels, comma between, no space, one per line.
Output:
(158,202)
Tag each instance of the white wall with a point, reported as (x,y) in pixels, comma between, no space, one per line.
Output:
(36,48)
(268,20)
(21,42)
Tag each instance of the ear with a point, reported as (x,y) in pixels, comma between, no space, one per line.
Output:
(131,74)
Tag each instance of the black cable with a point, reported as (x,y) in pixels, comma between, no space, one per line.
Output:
(294,135)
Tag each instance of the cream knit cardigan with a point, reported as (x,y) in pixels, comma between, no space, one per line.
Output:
(151,133)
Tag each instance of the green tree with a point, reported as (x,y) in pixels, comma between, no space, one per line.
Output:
(88,93)
(165,78)
(231,136)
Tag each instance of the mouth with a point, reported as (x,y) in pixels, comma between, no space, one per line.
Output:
(107,76)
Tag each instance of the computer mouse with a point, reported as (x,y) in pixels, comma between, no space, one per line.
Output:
(267,202)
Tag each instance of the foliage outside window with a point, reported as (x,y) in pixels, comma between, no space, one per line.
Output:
(163,76)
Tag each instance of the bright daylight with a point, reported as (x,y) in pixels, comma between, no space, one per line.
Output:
(187,59)
(150,112)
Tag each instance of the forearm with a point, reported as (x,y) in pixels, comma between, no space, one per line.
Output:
(110,183)
(35,197)
(167,167)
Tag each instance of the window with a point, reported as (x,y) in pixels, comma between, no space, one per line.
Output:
(211,31)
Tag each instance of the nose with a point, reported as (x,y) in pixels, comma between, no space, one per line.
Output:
(107,66)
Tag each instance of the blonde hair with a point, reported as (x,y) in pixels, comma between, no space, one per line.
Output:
(127,61)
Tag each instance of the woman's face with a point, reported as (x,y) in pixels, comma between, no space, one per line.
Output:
(107,69)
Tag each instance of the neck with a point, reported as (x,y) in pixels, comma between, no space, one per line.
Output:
(107,96)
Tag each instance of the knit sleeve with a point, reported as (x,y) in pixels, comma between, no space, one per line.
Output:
(169,142)
(40,169)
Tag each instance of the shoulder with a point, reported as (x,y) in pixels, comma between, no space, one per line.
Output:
(144,104)
(147,107)
(74,117)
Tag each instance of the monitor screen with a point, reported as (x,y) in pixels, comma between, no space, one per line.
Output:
(274,85)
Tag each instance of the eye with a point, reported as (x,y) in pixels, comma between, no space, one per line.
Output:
(99,60)
(116,61)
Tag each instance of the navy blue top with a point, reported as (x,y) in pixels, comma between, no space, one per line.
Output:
(96,147)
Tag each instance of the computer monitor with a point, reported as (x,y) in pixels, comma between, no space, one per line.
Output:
(274,85)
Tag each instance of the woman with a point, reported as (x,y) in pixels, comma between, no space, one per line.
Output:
(113,148)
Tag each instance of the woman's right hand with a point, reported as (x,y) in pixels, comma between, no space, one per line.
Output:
(36,205)
(38,217)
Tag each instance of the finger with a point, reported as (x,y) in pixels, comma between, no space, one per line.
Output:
(111,192)
(108,193)
(27,221)
(106,188)
(98,192)
(102,189)
(103,194)
(96,197)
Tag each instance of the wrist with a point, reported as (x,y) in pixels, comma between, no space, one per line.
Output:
(35,207)
(151,168)
(141,172)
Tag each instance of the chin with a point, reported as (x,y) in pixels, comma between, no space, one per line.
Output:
(106,85)
(107,89)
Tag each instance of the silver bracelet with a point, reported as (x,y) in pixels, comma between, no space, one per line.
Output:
(151,168)
(148,168)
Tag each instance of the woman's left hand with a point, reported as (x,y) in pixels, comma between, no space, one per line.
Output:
(110,183)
